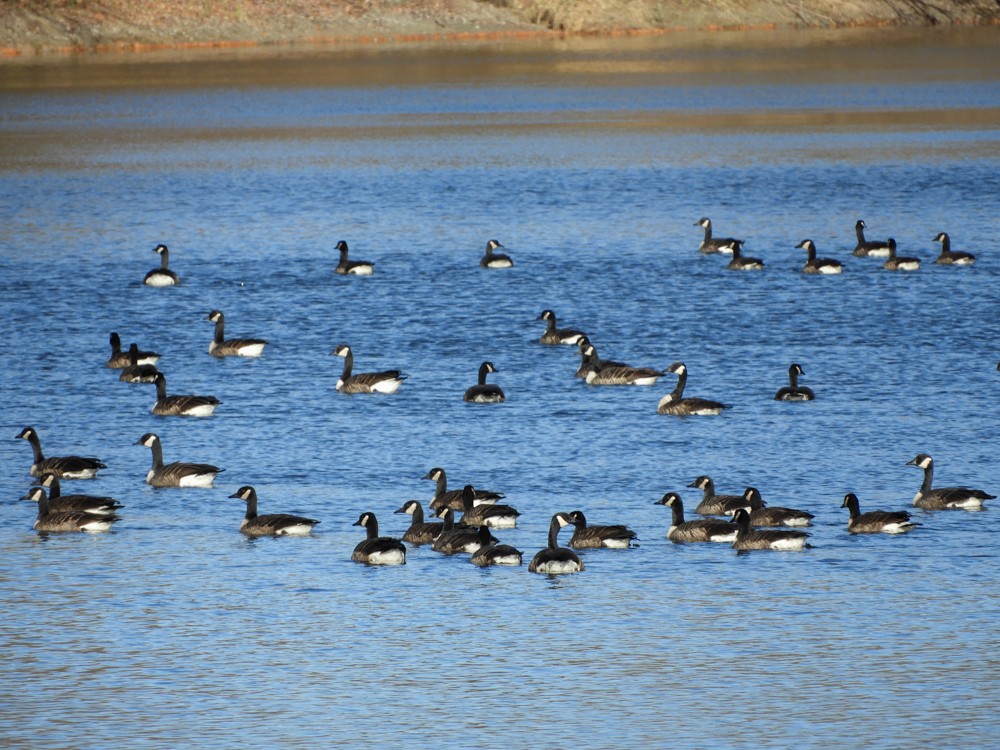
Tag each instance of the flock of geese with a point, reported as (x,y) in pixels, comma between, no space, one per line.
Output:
(744,521)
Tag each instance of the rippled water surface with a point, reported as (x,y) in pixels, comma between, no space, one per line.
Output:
(590,160)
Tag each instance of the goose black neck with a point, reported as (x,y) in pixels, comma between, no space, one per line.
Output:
(43,504)
(54,489)
(251,505)
(116,344)
(36,446)
(220,329)
(483,370)
(441,484)
(164,259)
(945,245)
(372,527)
(709,489)
(449,520)
(860,229)
(678,393)
(417,515)
(928,478)
(551,323)
(677,509)
(157,450)
(161,387)
(811,252)
(853,506)
(133,355)
(468,497)
(793,378)
(708,231)
(554,533)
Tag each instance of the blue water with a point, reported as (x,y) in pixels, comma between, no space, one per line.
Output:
(590,161)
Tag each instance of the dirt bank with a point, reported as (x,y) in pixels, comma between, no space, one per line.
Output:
(43,26)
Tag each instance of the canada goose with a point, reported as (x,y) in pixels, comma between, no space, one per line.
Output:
(352,267)
(949,258)
(420,531)
(65,467)
(555,559)
(742,262)
(944,498)
(483,392)
(869,248)
(220,347)
(876,521)
(778,539)
(454,539)
(99,506)
(365,382)
(792,391)
(762,515)
(699,530)
(161,276)
(492,553)
(177,474)
(454,498)
(587,537)
(495,260)
(135,372)
(897,263)
(375,549)
(591,362)
(495,516)
(273,524)
(49,520)
(605,373)
(120,359)
(555,335)
(825,266)
(716,505)
(675,403)
(711,245)
(181,406)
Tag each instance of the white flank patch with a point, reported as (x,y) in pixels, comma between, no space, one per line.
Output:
(796,522)
(968,503)
(558,567)
(788,544)
(82,474)
(300,529)
(160,279)
(387,386)
(502,522)
(361,270)
(499,264)
(196,480)
(828,270)
(390,557)
(645,381)
(897,528)
(909,266)
(707,412)
(882,252)
(96,525)
(964,262)
(251,350)
(507,560)
(731,537)
(205,410)
(616,543)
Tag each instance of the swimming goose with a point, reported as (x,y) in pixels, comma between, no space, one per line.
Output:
(699,530)
(896,263)
(65,467)
(420,531)
(352,267)
(492,553)
(555,559)
(99,506)
(762,515)
(454,498)
(716,505)
(135,372)
(876,521)
(675,403)
(494,260)
(483,392)
(711,245)
(221,347)
(869,248)
(177,474)
(120,359)
(181,406)
(555,335)
(49,520)
(742,262)
(792,391)
(587,537)
(825,266)
(493,515)
(949,258)
(272,524)
(387,381)
(590,360)
(375,549)
(606,373)
(778,539)
(944,498)
(454,539)
(161,276)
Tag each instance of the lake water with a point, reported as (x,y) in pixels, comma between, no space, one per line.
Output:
(590,160)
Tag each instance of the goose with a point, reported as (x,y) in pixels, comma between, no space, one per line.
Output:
(897,263)
(454,539)
(555,335)
(454,498)
(711,245)
(792,391)
(221,347)
(495,516)
(135,372)
(675,403)
(181,406)
(49,520)
(161,276)
(65,467)
(492,553)
(352,267)
(699,530)
(944,498)
(824,266)
(495,260)
(742,262)
(483,392)
(716,505)
(777,539)
(590,360)
(555,559)
(587,537)
(272,524)
(606,373)
(99,506)
(869,248)
(120,359)
(876,521)
(762,515)
(387,381)
(420,531)
(949,258)
(375,549)
(177,474)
